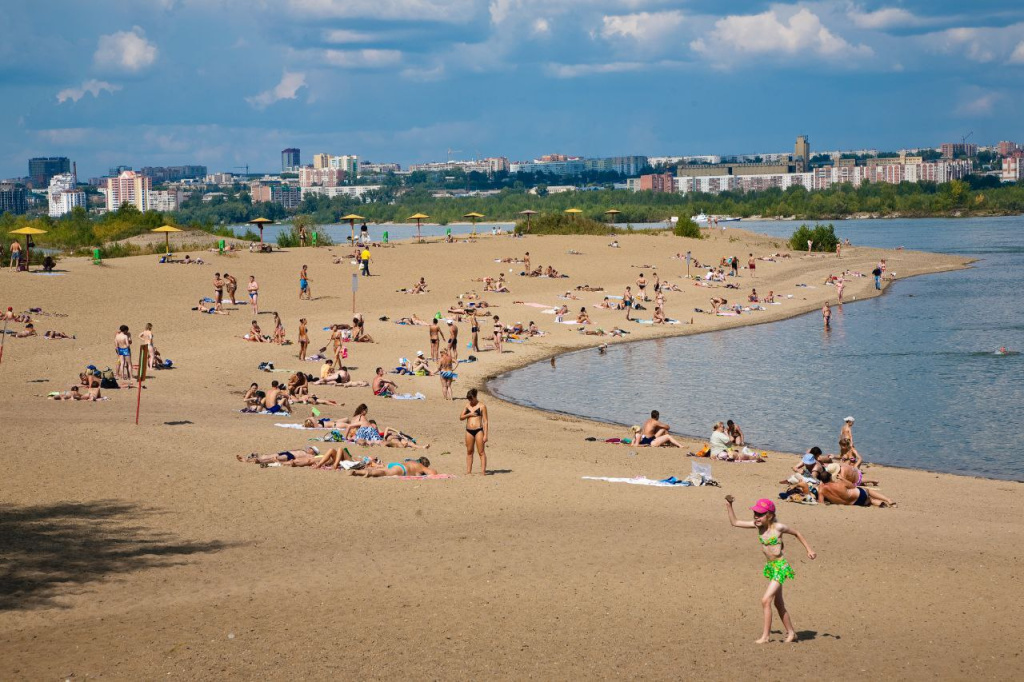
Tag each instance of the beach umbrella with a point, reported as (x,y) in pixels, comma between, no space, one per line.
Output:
(261,223)
(527,213)
(28,232)
(613,213)
(167,229)
(418,217)
(474,217)
(573,212)
(352,218)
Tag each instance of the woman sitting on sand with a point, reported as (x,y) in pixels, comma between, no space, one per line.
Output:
(583,317)
(500,286)
(298,384)
(279,334)
(255,334)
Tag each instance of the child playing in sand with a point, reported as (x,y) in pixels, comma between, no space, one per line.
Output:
(777,570)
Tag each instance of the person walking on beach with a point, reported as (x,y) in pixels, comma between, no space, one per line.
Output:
(15,253)
(231,284)
(123,347)
(809,244)
(735,264)
(474,413)
(839,251)
(777,570)
(840,285)
(877,272)
(444,370)
(364,261)
(526,262)
(826,315)
(254,294)
(304,291)
(436,336)
(303,338)
(751,264)
(846,432)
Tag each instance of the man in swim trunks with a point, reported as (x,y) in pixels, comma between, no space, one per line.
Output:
(123,347)
(453,340)
(641,284)
(408,467)
(841,491)
(304,291)
(218,288)
(383,387)
(307,457)
(655,434)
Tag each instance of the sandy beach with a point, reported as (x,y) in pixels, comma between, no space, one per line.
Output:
(132,552)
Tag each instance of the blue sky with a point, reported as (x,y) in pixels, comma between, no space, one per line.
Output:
(232,82)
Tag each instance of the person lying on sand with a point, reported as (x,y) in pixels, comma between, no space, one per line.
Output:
(414,320)
(340,378)
(314,400)
(609,304)
(408,467)
(74,393)
(211,310)
(57,335)
(29,330)
(843,492)
(307,457)
(587,287)
(837,470)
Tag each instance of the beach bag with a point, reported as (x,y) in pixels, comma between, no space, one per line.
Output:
(704,451)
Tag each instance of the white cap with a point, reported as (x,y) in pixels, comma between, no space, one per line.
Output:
(314,449)
(849,419)
(419,353)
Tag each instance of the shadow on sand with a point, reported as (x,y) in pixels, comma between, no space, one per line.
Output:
(54,551)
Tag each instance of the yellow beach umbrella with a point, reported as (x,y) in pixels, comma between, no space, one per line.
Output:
(613,213)
(28,232)
(418,217)
(528,213)
(474,216)
(573,212)
(261,223)
(167,229)
(352,218)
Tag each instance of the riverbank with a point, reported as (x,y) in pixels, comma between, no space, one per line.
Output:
(153,551)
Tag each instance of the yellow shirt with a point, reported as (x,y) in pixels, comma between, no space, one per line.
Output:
(325,370)
(365,255)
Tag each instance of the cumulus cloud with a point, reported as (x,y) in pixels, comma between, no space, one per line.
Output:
(541,27)
(579,70)
(92,87)
(643,27)
(362,59)
(982,45)
(1017,57)
(125,51)
(454,11)
(887,17)
(288,88)
(979,105)
(341,35)
(735,37)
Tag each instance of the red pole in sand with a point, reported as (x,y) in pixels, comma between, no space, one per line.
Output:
(143,360)
(4,338)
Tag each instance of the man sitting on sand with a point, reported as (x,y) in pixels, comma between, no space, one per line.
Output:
(655,434)
(382,387)
(408,467)
(843,492)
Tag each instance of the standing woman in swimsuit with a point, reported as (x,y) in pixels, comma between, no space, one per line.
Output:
(303,339)
(254,294)
(475,415)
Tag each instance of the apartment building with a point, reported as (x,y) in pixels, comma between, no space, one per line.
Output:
(129,188)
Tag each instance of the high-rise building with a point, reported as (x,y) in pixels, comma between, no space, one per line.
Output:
(321,177)
(802,153)
(13,199)
(276,193)
(1013,169)
(347,163)
(1007,148)
(162,174)
(63,195)
(951,150)
(290,160)
(128,188)
(41,169)
(657,182)
(166,200)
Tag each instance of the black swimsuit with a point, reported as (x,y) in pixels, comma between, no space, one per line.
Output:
(474,413)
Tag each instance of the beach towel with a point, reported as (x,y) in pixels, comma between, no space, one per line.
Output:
(300,427)
(667,321)
(433,477)
(410,396)
(280,413)
(642,480)
(50,274)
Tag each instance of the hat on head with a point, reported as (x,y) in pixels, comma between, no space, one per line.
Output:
(809,459)
(314,449)
(849,419)
(764,506)
(833,470)
(419,353)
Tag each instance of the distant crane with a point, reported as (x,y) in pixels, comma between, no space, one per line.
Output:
(452,151)
(246,167)
(963,140)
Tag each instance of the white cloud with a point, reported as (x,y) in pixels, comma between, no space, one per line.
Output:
(578,70)
(801,35)
(541,27)
(341,35)
(288,88)
(1018,54)
(643,27)
(125,51)
(91,86)
(454,11)
(362,59)
(981,104)
(888,17)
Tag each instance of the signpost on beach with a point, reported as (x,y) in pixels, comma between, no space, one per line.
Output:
(143,361)
(687,263)
(355,288)
(2,339)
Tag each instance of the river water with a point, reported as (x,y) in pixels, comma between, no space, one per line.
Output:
(916,367)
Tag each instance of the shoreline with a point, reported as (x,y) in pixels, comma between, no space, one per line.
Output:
(557,354)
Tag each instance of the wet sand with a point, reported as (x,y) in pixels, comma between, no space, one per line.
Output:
(137,551)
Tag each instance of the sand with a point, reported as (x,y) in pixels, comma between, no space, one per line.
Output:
(132,552)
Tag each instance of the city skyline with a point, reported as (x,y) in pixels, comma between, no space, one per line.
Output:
(228,83)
